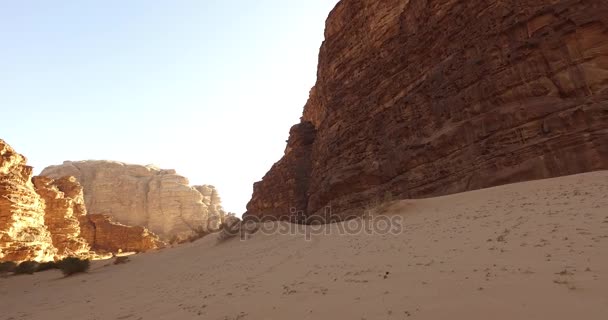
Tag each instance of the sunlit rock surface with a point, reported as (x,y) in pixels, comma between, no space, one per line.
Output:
(23,234)
(105,235)
(146,196)
(64,205)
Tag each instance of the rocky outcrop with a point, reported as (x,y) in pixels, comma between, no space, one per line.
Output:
(105,235)
(23,234)
(146,196)
(418,98)
(64,204)
(45,219)
(212,200)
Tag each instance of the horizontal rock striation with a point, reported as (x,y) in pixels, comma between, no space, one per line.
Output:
(422,98)
(146,196)
(283,191)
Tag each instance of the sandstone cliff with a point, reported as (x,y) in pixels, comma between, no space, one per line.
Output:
(157,199)
(212,200)
(64,205)
(23,234)
(44,219)
(105,235)
(425,97)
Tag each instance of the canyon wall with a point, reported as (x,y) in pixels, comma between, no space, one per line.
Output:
(23,234)
(419,98)
(159,200)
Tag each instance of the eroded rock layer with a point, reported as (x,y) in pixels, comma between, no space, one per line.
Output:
(283,191)
(212,200)
(64,204)
(146,196)
(105,235)
(23,234)
(45,219)
(429,97)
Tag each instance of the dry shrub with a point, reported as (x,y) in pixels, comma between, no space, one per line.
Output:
(234,226)
(72,265)
(7,266)
(121,260)
(174,240)
(229,228)
(47,266)
(26,267)
(198,233)
(377,205)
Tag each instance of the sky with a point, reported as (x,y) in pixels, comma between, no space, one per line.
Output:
(209,88)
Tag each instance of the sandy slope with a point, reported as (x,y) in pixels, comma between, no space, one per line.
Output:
(535,250)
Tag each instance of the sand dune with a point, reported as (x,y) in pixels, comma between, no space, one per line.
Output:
(534,250)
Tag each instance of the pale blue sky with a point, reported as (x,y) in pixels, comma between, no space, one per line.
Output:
(209,88)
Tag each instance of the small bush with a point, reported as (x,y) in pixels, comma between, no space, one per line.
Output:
(7,266)
(229,229)
(198,233)
(26,267)
(47,266)
(174,240)
(121,260)
(71,265)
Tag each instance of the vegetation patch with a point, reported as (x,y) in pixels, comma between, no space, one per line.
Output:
(7,266)
(44,266)
(26,267)
(70,266)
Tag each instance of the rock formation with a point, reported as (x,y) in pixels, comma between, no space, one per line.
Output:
(146,196)
(23,234)
(284,190)
(418,98)
(64,205)
(105,235)
(44,219)
(212,200)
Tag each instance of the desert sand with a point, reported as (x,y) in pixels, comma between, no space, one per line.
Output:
(533,250)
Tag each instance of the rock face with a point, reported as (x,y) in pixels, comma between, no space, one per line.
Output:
(44,219)
(23,234)
(283,192)
(425,97)
(64,205)
(212,200)
(105,235)
(146,196)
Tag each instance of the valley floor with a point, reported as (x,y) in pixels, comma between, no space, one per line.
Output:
(533,250)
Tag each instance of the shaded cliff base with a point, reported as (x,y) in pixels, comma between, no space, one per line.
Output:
(528,250)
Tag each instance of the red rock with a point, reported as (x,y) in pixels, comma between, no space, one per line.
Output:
(423,98)
(283,191)
(105,235)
